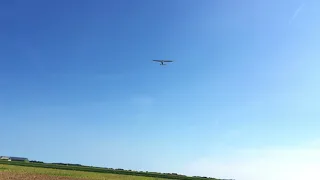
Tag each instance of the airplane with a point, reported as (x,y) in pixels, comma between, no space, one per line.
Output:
(162,61)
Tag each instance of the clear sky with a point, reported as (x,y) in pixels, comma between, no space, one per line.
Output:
(241,100)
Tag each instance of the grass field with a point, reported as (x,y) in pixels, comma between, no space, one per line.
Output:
(100,170)
(21,172)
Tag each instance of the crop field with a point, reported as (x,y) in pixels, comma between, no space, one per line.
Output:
(12,172)
(87,172)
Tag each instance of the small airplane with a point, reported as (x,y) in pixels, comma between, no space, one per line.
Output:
(162,61)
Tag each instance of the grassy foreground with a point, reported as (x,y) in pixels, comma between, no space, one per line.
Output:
(67,169)
(71,174)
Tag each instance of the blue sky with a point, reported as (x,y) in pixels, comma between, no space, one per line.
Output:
(78,85)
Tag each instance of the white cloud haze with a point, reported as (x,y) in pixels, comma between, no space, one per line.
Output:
(296,13)
(294,163)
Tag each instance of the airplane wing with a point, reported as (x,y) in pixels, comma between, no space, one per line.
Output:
(163,60)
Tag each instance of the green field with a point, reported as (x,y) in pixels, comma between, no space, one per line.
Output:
(87,171)
(68,173)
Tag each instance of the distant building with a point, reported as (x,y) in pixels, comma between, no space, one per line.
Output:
(17,159)
(8,158)
(4,158)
